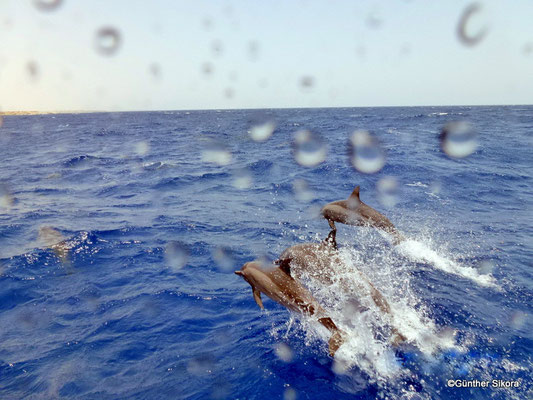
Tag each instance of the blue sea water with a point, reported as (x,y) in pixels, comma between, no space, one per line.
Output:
(139,299)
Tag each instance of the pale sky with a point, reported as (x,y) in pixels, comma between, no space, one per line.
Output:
(349,53)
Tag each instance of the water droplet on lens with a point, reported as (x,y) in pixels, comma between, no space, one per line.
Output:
(465,37)
(388,191)
(528,49)
(290,394)
(202,364)
(283,352)
(108,41)
(216,47)
(50,236)
(262,132)
(242,178)
(253,50)
(217,153)
(207,68)
(302,191)
(229,93)
(1,121)
(47,5)
(207,23)
(224,258)
(33,69)
(307,82)
(458,139)
(155,70)
(486,267)
(309,149)
(142,148)
(53,239)
(366,154)
(176,254)
(6,199)
(518,319)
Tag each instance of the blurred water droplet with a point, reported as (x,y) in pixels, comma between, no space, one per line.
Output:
(108,41)
(53,239)
(242,178)
(142,148)
(229,93)
(374,21)
(366,154)
(314,212)
(290,394)
(221,390)
(216,47)
(207,68)
(283,352)
(1,121)
(307,82)
(50,236)
(486,267)
(202,364)
(155,70)
(302,191)
(253,50)
(528,49)
(435,187)
(47,5)
(33,69)
(6,198)
(28,319)
(176,254)
(263,131)
(224,258)
(207,23)
(458,139)
(388,191)
(309,149)
(467,38)
(217,153)
(518,319)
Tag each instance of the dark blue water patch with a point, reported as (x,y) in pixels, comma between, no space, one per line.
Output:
(117,322)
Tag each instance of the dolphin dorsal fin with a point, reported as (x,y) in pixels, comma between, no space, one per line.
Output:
(285,265)
(355,194)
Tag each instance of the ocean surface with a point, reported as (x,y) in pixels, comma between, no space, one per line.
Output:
(120,232)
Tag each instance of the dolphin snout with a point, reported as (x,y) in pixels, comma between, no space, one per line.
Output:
(238,272)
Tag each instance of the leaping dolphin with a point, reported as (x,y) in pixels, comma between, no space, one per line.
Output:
(280,286)
(353,211)
(322,262)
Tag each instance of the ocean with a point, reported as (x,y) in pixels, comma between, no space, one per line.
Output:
(120,232)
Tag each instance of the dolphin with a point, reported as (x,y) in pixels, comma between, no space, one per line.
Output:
(321,261)
(280,286)
(353,211)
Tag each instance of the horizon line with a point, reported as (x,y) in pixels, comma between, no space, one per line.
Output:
(43,112)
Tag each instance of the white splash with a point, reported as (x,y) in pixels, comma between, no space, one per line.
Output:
(369,331)
(420,252)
